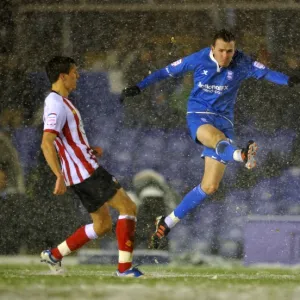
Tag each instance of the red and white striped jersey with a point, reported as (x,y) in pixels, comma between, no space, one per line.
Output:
(62,118)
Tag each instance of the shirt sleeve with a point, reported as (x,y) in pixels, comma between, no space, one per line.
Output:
(55,117)
(277,77)
(181,66)
(175,69)
(259,71)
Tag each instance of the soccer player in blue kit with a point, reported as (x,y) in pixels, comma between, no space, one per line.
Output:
(218,73)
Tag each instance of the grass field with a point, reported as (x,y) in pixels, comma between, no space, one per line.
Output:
(33,281)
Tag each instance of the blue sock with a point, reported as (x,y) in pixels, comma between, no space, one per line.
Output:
(225,150)
(189,202)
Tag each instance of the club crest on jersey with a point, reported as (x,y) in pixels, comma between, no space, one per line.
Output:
(51,119)
(229,75)
(176,63)
(259,65)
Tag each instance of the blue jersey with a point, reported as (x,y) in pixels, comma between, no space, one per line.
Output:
(215,89)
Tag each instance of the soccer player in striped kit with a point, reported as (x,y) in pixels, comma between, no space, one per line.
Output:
(77,167)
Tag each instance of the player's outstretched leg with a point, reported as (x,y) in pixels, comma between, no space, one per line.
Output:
(101,225)
(81,236)
(249,153)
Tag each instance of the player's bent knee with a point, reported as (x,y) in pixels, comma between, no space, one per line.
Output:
(103,228)
(209,189)
(219,137)
(123,204)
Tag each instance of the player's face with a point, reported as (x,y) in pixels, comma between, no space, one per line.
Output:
(70,80)
(223,52)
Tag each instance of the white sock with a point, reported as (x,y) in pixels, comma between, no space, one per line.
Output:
(64,249)
(237,155)
(90,232)
(171,220)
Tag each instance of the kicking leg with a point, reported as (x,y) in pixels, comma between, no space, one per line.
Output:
(212,137)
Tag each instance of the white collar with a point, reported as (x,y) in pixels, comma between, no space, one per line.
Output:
(214,60)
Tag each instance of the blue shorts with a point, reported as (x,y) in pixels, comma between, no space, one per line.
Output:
(195,120)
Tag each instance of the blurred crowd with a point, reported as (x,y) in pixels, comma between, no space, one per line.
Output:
(127,46)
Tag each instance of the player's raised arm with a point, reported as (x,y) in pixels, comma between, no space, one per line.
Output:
(280,78)
(175,69)
(260,71)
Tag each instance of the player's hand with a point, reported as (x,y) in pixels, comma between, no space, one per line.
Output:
(97,151)
(293,80)
(60,186)
(130,91)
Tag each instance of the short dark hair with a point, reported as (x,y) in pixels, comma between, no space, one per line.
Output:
(225,35)
(58,65)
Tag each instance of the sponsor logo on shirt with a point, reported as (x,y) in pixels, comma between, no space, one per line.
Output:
(216,89)
(259,65)
(176,63)
(51,119)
